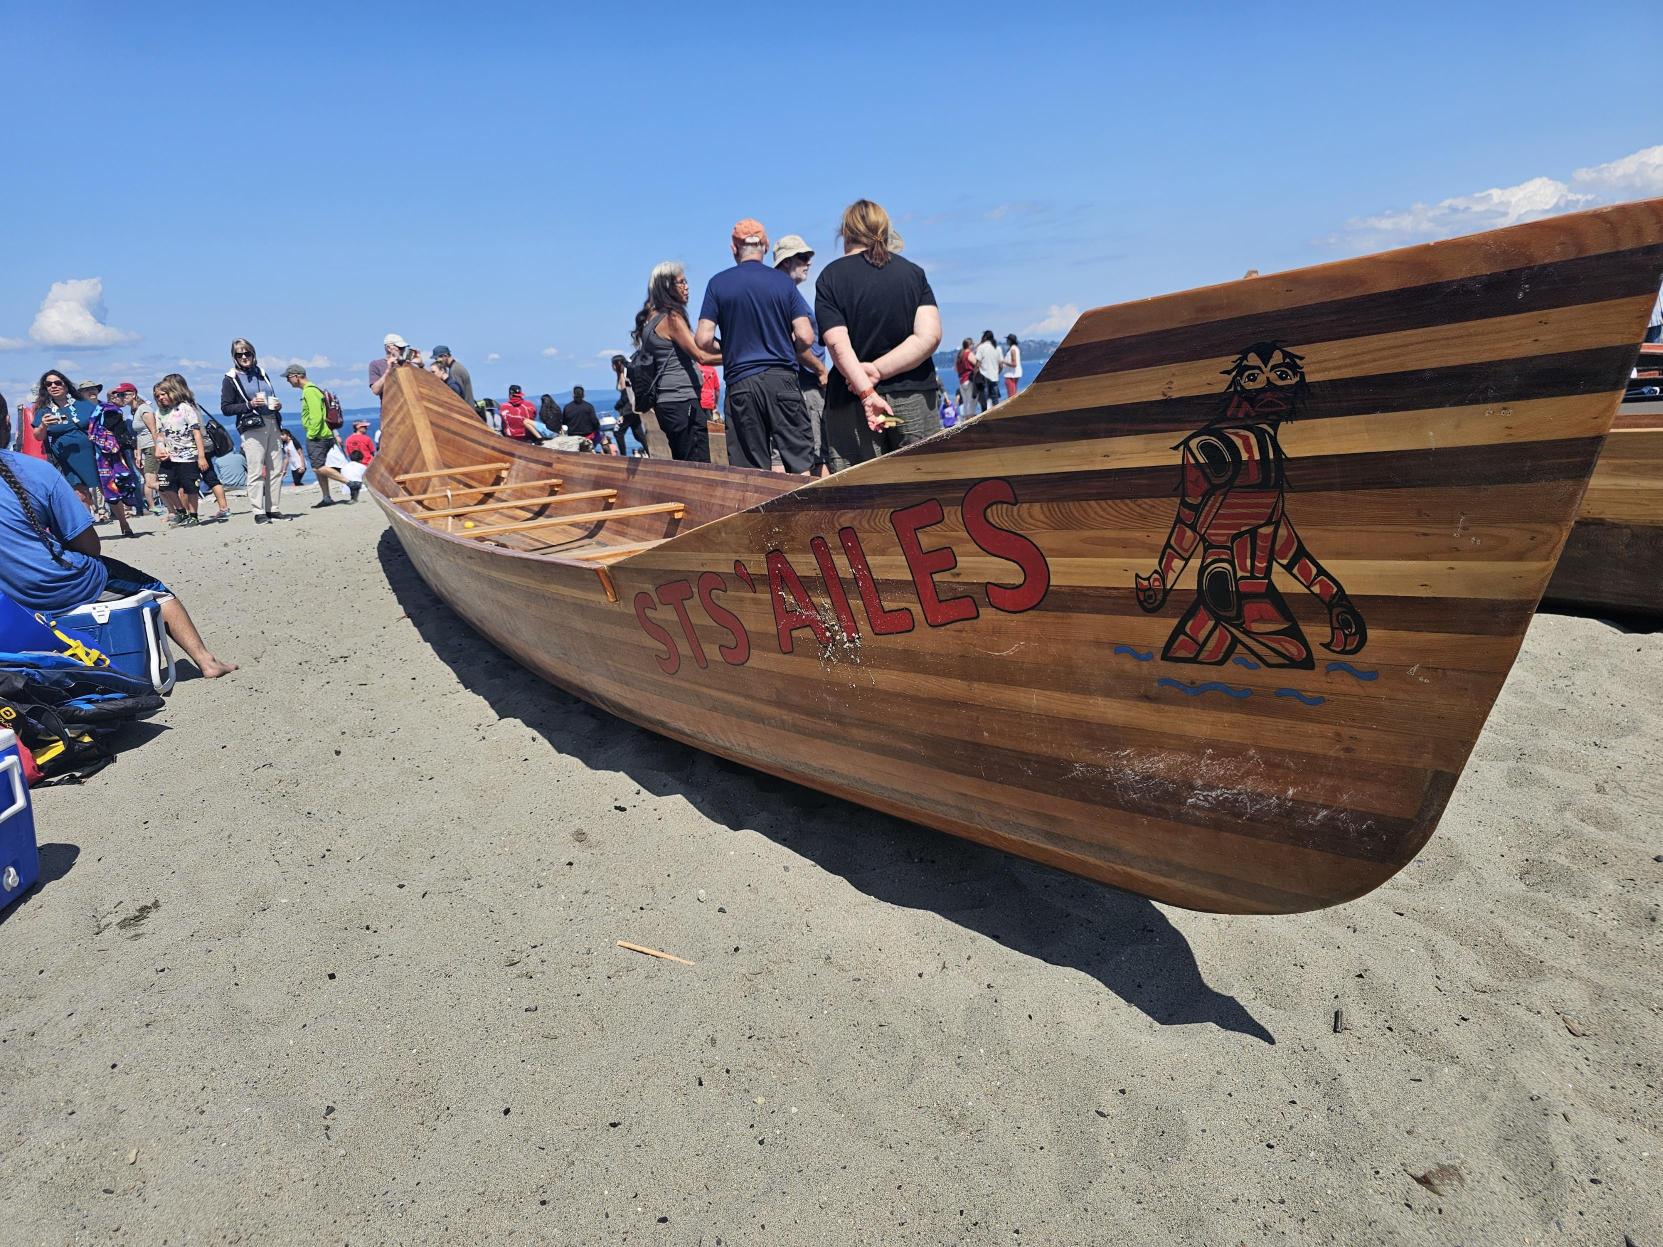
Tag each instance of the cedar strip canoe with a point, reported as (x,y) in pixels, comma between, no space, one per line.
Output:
(1213,611)
(1613,560)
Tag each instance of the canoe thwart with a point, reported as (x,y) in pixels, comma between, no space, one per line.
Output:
(673,509)
(547,482)
(508,504)
(502,465)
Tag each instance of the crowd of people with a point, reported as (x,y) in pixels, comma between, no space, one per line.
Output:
(809,390)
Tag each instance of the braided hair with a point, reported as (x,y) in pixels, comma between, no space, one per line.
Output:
(53,548)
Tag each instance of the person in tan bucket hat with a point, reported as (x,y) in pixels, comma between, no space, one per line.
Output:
(794,258)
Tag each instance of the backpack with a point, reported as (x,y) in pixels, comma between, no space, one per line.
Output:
(332,410)
(642,370)
(215,438)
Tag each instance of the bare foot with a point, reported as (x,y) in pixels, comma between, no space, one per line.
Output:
(214,668)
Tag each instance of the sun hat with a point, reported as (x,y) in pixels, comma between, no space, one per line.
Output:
(88,385)
(750,232)
(393,339)
(790,245)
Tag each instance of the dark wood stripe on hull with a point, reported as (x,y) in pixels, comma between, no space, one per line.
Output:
(1509,463)
(1565,375)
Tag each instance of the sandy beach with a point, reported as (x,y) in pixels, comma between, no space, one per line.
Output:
(329,955)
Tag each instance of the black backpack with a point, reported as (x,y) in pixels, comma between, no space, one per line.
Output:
(642,370)
(215,438)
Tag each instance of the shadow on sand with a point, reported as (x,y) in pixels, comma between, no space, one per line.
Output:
(1122,940)
(55,862)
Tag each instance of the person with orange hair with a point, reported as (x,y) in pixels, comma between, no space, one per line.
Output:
(881,324)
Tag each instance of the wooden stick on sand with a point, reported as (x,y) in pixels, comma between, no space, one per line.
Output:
(652,952)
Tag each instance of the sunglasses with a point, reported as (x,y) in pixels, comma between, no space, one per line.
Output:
(242,354)
(56,385)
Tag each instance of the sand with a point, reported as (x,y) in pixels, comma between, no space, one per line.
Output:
(329,956)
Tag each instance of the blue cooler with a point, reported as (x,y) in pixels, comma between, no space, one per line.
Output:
(130,633)
(19,859)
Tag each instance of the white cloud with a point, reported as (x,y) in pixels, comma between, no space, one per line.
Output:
(1634,176)
(283,361)
(1641,172)
(1059,320)
(492,358)
(1467,214)
(193,363)
(72,315)
(607,355)
(12,344)
(549,352)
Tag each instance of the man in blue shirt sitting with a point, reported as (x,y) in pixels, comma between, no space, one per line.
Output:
(765,331)
(51,562)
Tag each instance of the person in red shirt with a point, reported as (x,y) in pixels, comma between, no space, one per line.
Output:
(360,441)
(710,387)
(964,364)
(515,412)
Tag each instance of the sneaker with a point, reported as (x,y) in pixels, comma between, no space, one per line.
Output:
(191,521)
(352,492)
(220,516)
(177,519)
(327,502)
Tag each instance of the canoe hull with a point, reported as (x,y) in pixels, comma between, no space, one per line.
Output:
(1158,621)
(1613,560)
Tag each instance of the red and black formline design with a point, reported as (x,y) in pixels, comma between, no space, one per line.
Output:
(1232,513)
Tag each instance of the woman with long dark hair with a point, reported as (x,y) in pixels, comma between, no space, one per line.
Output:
(879,319)
(65,423)
(661,328)
(548,414)
(248,396)
(52,562)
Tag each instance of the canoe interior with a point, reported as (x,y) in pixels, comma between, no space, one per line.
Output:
(1213,611)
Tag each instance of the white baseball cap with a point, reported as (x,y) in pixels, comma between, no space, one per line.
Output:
(393,339)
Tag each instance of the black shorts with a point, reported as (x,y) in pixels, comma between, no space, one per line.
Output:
(126,580)
(317,452)
(178,474)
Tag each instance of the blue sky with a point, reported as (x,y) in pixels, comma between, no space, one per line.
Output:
(501,177)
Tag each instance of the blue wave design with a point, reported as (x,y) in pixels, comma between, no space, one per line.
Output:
(1300,697)
(1246,662)
(1351,671)
(1127,649)
(1211,686)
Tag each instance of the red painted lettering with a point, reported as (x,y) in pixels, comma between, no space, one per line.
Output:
(735,655)
(883,620)
(674,594)
(926,565)
(1002,543)
(670,660)
(799,611)
(834,587)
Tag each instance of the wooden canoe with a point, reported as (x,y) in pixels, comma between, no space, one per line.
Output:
(1084,627)
(1613,560)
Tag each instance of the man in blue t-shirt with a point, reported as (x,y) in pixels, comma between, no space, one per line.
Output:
(765,332)
(52,563)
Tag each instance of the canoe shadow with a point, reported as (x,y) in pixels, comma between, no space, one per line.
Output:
(1124,941)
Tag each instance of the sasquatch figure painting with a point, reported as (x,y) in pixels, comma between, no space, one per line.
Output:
(1232,514)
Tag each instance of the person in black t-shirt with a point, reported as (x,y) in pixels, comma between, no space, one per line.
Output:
(879,319)
(579,417)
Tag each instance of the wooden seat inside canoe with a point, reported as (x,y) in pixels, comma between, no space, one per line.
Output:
(672,509)
(548,482)
(501,465)
(509,504)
